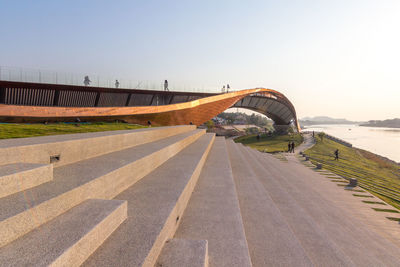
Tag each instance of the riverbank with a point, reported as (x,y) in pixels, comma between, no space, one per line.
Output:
(391,123)
(16,130)
(270,144)
(378,175)
(381,141)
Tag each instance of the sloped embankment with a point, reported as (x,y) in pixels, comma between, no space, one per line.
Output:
(374,173)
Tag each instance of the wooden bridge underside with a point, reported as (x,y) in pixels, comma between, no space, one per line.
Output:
(14,108)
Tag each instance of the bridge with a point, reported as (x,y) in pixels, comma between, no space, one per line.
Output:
(41,102)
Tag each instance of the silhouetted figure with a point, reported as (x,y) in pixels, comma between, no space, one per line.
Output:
(166,85)
(86,81)
(223,89)
(149,123)
(191,123)
(227,88)
(77,122)
(289,147)
(313,134)
(116,83)
(337,154)
(292,147)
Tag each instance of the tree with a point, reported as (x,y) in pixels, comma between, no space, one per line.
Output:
(321,135)
(210,124)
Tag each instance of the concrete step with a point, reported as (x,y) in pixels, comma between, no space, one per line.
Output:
(361,245)
(315,242)
(101,177)
(21,176)
(370,228)
(155,207)
(184,253)
(66,149)
(270,240)
(68,239)
(359,212)
(374,221)
(213,212)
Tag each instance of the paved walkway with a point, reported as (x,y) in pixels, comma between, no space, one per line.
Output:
(328,225)
(375,220)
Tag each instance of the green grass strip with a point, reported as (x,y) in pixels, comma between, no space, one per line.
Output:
(373,202)
(386,210)
(358,195)
(16,130)
(271,144)
(358,190)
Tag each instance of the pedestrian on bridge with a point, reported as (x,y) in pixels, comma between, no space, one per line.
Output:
(116,83)
(223,89)
(166,85)
(86,81)
(227,88)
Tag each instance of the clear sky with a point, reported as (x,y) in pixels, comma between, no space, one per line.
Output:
(335,58)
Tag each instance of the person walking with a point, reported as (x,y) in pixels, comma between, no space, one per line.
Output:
(166,85)
(223,89)
(337,154)
(292,147)
(86,81)
(289,145)
(227,88)
(116,83)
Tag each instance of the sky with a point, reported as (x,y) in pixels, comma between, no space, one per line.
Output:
(334,58)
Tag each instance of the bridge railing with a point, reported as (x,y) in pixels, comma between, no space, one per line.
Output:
(16,74)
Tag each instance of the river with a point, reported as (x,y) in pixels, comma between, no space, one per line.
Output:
(381,141)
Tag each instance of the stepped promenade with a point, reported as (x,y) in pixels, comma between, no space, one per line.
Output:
(178,196)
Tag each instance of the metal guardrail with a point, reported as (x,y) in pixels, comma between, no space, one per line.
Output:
(26,75)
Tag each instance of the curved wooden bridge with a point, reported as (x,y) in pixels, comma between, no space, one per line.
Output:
(34,102)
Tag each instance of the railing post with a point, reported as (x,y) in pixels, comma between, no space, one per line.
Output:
(128,99)
(2,95)
(151,101)
(96,102)
(56,97)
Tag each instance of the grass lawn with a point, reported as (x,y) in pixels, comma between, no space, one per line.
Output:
(275,143)
(375,174)
(15,130)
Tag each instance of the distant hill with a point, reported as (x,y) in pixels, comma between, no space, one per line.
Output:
(323,120)
(393,123)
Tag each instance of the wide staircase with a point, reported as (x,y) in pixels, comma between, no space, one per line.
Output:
(176,196)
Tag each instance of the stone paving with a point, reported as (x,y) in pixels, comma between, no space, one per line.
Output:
(190,199)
